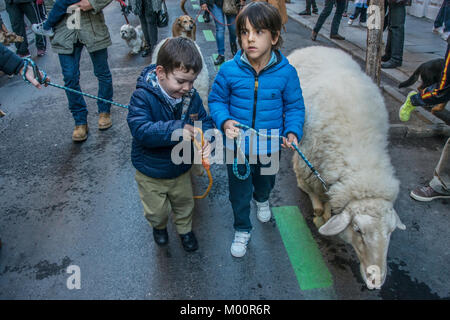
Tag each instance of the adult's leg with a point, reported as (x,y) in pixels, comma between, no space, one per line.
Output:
(70,66)
(232,27)
(149,27)
(446,15)
(324,15)
(31,14)
(439,21)
(340,6)
(441,180)
(101,70)
(16,17)
(220,29)
(363,17)
(397,31)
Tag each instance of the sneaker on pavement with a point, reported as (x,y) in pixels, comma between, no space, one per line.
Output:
(26,55)
(427,194)
(438,30)
(263,211)
(38,28)
(350,22)
(405,110)
(239,245)
(444,35)
(189,241)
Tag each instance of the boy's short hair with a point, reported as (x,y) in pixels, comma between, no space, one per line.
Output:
(179,53)
(261,15)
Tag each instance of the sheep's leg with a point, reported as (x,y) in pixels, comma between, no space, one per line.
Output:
(327,213)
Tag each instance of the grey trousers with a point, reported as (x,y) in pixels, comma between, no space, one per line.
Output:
(441,180)
(149,28)
(396,32)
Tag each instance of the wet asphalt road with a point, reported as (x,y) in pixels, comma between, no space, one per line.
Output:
(65,204)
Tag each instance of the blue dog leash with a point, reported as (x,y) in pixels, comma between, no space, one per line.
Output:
(43,80)
(247,172)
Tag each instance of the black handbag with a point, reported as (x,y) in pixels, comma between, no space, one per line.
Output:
(163,16)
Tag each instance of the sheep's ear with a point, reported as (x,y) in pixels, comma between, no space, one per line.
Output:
(336,224)
(399,224)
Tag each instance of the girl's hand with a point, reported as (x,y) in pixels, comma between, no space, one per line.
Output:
(291,139)
(230,130)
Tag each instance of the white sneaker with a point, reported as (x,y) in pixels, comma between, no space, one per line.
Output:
(438,30)
(38,28)
(350,22)
(444,35)
(239,245)
(263,211)
(363,24)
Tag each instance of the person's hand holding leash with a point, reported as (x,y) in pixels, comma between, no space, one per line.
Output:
(230,130)
(291,139)
(29,75)
(84,5)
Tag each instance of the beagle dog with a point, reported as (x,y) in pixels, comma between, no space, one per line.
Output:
(184,26)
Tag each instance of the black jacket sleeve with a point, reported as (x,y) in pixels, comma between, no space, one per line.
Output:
(10,63)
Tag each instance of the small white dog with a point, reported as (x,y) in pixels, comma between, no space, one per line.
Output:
(134,37)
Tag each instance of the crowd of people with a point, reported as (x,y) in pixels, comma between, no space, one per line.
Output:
(165,101)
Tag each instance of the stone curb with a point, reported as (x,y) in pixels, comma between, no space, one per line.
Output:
(434,126)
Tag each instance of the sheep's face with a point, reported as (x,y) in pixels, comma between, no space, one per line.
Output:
(367,225)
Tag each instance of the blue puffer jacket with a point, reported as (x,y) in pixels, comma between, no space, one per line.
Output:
(152,121)
(271,99)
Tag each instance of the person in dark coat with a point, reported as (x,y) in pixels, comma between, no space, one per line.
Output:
(17,9)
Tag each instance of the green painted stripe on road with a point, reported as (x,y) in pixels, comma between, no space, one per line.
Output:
(196,6)
(305,256)
(200,19)
(209,35)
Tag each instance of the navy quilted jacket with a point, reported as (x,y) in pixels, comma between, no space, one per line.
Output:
(152,121)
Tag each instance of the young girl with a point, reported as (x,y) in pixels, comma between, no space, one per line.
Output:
(259,89)
(361,11)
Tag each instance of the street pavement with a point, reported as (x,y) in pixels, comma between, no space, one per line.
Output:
(66,204)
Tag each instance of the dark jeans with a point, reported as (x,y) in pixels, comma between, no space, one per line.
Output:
(309,4)
(241,192)
(16,12)
(149,27)
(58,11)
(70,65)
(360,11)
(443,16)
(396,32)
(340,6)
(437,93)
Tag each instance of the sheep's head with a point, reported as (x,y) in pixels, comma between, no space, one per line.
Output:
(367,225)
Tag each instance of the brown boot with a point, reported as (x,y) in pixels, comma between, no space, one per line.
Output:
(104,121)
(80,133)
(313,35)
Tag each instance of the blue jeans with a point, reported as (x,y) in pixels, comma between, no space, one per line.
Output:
(220,28)
(340,6)
(70,65)
(57,13)
(241,192)
(443,16)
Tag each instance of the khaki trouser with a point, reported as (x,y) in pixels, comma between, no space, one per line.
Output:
(160,196)
(441,180)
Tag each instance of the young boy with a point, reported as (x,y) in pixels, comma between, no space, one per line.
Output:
(163,102)
(260,89)
(45,28)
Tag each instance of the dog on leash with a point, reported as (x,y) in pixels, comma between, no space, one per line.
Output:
(429,73)
(184,26)
(134,37)
(6,38)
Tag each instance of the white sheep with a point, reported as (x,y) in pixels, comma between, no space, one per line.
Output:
(345,138)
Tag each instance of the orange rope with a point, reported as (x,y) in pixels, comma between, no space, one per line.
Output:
(205,164)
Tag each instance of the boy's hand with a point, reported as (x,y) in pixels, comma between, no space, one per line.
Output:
(84,5)
(230,130)
(291,139)
(189,132)
(206,150)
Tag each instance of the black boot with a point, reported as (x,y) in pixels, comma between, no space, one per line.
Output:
(385,58)
(147,51)
(233,48)
(391,64)
(220,59)
(315,10)
(189,241)
(305,13)
(160,236)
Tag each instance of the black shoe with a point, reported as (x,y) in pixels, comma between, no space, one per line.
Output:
(146,52)
(206,17)
(337,37)
(304,13)
(233,48)
(189,241)
(160,236)
(315,10)
(385,58)
(390,64)
(220,59)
